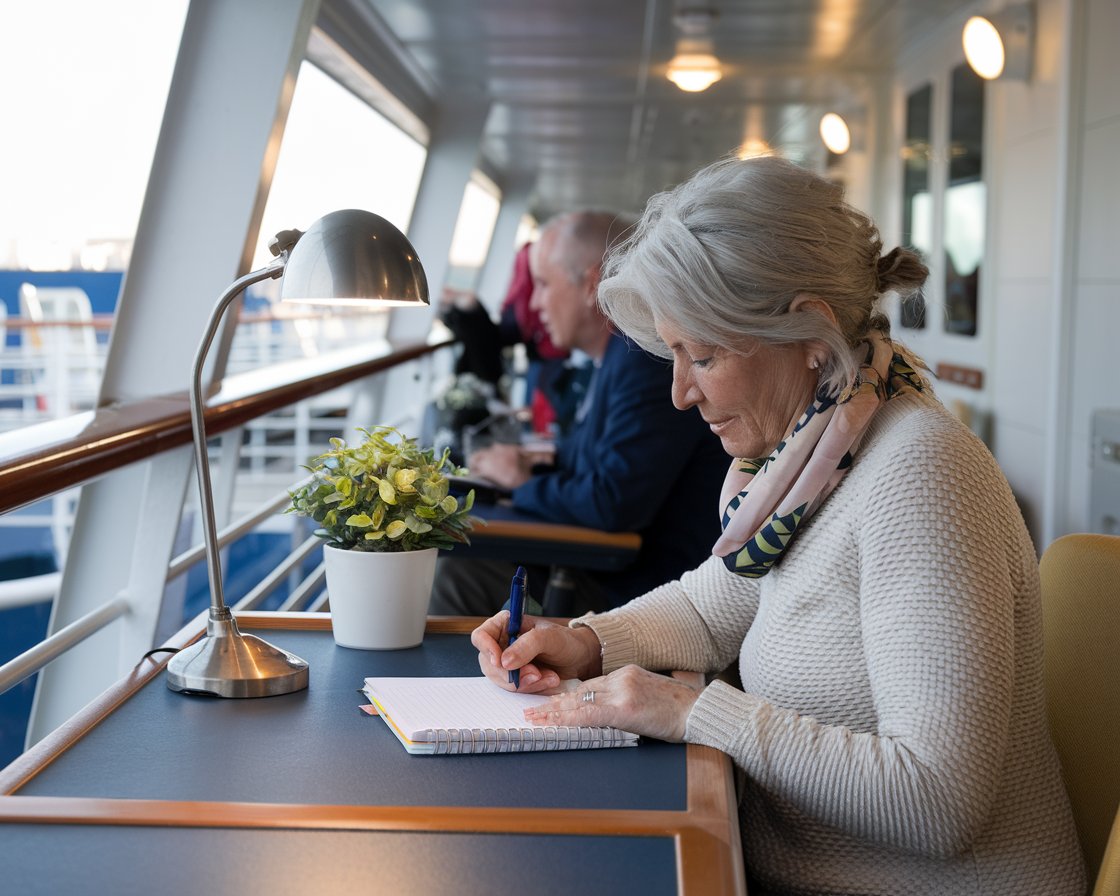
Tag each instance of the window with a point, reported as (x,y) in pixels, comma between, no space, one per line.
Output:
(474,228)
(965,199)
(85,85)
(917,209)
(337,153)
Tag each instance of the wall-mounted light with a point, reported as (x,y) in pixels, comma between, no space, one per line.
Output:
(835,133)
(999,45)
(694,67)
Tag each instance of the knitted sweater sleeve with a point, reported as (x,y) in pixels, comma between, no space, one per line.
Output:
(696,624)
(937,558)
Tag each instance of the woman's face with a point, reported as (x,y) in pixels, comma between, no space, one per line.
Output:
(751,402)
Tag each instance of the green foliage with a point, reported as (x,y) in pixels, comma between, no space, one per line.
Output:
(385,494)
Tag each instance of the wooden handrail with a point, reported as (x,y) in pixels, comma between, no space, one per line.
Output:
(40,460)
(104,322)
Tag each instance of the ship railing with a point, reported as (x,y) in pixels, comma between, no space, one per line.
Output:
(45,459)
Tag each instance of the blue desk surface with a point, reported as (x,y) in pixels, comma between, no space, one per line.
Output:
(142,861)
(316,747)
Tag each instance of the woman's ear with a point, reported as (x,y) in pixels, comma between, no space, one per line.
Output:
(809,302)
(816,352)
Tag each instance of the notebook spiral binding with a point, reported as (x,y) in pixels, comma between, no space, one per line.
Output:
(517,740)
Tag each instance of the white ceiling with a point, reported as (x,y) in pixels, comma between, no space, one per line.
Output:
(579,102)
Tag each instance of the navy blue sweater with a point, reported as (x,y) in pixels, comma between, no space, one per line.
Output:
(636,464)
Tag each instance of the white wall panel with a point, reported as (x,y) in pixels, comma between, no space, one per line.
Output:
(1022,345)
(1095,337)
(1023,219)
(1076,505)
(1099,227)
(1102,24)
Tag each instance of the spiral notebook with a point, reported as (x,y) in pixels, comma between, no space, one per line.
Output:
(472,715)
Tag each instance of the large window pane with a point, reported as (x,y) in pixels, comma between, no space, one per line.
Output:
(917,209)
(337,153)
(474,228)
(84,87)
(965,202)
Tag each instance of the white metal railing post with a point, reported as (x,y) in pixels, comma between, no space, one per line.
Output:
(29,662)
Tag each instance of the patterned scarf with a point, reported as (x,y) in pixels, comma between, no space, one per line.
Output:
(765,500)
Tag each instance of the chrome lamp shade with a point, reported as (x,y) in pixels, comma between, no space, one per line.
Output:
(354,257)
(347,257)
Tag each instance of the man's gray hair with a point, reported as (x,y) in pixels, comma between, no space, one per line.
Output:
(584,237)
(724,255)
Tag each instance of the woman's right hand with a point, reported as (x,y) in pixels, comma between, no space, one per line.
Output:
(546,653)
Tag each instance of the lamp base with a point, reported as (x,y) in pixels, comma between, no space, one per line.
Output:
(227,663)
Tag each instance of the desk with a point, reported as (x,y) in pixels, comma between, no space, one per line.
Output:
(520,537)
(311,795)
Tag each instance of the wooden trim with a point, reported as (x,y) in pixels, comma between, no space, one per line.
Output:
(555,532)
(265,619)
(39,460)
(206,814)
(713,803)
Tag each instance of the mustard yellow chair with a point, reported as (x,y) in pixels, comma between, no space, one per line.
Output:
(1108,879)
(1081,624)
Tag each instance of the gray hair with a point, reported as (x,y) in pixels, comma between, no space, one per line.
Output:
(585,238)
(723,256)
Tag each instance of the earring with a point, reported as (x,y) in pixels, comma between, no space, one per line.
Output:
(815,364)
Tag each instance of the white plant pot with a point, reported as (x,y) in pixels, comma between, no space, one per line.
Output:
(379,601)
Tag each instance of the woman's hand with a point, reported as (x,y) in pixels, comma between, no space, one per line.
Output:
(630,698)
(546,653)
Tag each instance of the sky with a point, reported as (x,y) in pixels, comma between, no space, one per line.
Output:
(84,89)
(78,134)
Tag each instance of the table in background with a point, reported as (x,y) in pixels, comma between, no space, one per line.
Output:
(148,791)
(520,537)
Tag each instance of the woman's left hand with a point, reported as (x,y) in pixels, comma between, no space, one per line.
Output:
(630,698)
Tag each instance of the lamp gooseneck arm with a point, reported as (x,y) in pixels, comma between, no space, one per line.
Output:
(198,428)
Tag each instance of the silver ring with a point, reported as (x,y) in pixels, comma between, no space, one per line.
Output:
(588,697)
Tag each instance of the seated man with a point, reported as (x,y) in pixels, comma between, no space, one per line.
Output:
(632,462)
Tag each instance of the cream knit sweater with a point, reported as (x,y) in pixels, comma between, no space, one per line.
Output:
(891,732)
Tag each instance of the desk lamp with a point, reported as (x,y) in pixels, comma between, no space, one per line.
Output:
(346,257)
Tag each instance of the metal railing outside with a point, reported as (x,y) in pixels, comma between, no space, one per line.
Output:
(125,435)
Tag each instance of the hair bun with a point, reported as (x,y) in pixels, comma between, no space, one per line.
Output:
(900,269)
(886,266)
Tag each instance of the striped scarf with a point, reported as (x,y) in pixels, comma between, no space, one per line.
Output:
(765,500)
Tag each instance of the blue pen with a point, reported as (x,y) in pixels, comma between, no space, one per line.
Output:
(517,590)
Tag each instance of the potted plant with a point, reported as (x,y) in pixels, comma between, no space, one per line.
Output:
(383,506)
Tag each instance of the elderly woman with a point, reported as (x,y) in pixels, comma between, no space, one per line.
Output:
(874,578)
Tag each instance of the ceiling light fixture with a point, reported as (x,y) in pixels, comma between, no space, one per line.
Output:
(835,133)
(999,45)
(695,66)
(753,148)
